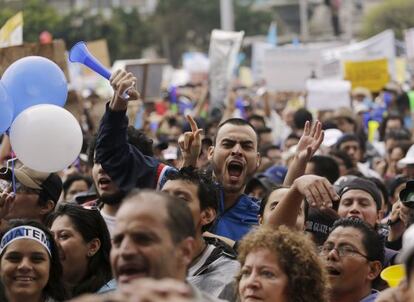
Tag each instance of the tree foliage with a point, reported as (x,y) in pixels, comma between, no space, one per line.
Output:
(396,15)
(175,27)
(182,25)
(38,16)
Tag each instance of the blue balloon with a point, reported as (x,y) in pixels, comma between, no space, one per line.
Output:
(35,80)
(6,109)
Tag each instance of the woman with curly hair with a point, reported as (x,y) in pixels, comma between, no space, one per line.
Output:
(280,265)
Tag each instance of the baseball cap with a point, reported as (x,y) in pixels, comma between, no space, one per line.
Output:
(49,183)
(408,159)
(407,194)
(394,183)
(407,250)
(319,223)
(342,182)
(170,153)
(366,185)
(331,137)
(276,174)
(260,179)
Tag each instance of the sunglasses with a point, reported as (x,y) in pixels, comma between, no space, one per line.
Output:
(20,188)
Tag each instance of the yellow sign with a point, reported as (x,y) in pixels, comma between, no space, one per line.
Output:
(401,66)
(369,74)
(11,33)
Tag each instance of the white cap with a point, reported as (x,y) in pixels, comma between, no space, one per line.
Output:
(170,153)
(408,159)
(331,137)
(407,245)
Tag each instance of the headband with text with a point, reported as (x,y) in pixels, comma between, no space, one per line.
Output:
(25,232)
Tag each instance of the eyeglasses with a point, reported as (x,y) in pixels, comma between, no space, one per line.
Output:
(342,251)
(22,189)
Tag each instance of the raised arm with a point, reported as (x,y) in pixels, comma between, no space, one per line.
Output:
(317,191)
(310,141)
(123,162)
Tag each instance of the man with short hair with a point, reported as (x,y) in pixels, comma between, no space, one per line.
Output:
(360,198)
(153,243)
(353,255)
(33,195)
(214,264)
(234,158)
(355,148)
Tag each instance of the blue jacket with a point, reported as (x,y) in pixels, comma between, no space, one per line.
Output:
(237,220)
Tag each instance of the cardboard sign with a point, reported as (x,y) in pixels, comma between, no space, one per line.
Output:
(288,69)
(148,72)
(369,74)
(99,49)
(54,51)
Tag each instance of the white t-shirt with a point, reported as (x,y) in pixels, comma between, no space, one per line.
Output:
(110,222)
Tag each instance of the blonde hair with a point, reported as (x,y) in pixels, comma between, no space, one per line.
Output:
(297,257)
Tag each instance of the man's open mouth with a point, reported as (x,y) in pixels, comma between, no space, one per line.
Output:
(127,273)
(235,169)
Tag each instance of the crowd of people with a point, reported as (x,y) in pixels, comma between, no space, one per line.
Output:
(259,200)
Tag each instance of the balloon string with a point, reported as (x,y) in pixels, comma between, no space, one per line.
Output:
(13,176)
(11,160)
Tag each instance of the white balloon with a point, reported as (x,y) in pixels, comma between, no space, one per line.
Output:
(46,138)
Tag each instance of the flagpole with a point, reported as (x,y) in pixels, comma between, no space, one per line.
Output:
(227,15)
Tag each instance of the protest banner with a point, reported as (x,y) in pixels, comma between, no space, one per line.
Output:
(401,69)
(369,74)
(258,55)
(327,94)
(224,47)
(375,48)
(11,34)
(287,69)
(409,42)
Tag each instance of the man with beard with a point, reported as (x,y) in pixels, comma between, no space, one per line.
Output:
(353,255)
